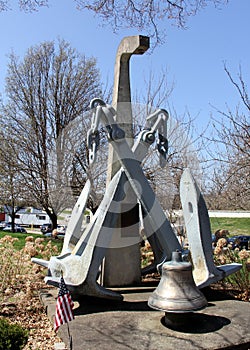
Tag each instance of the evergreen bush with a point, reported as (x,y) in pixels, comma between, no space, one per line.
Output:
(12,336)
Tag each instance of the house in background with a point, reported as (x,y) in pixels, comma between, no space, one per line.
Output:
(30,217)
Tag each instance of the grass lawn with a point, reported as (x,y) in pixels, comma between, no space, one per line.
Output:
(21,239)
(235,226)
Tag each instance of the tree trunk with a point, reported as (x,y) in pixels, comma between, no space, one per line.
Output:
(53,218)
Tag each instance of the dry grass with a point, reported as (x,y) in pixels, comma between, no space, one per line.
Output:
(20,282)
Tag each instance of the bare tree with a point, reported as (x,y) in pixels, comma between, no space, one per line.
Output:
(13,195)
(24,5)
(80,169)
(46,92)
(47,98)
(231,137)
(142,15)
(146,15)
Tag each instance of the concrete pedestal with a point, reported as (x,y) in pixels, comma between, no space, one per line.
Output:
(131,324)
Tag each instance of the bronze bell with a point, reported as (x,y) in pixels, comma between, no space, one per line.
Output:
(177,291)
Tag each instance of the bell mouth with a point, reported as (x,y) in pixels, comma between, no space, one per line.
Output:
(179,306)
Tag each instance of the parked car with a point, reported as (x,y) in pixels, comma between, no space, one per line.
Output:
(58,233)
(46,228)
(241,242)
(3,224)
(17,229)
(231,241)
(61,229)
(20,229)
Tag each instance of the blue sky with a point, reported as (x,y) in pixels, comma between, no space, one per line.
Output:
(194,57)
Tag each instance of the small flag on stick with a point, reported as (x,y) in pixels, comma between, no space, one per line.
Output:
(64,306)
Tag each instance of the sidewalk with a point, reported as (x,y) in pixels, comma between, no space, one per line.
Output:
(131,324)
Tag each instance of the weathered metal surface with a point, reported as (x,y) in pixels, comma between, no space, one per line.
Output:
(80,265)
(199,234)
(122,263)
(74,227)
(177,291)
(153,212)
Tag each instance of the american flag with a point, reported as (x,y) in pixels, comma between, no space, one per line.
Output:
(64,306)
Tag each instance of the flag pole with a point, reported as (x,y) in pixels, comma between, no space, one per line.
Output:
(70,339)
(64,309)
(69,335)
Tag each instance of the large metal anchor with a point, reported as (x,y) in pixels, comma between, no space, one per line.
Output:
(80,262)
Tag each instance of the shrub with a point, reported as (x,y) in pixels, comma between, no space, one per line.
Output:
(19,277)
(12,336)
(224,254)
(147,256)
(20,282)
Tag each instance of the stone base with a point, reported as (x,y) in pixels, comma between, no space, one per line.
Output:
(131,324)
